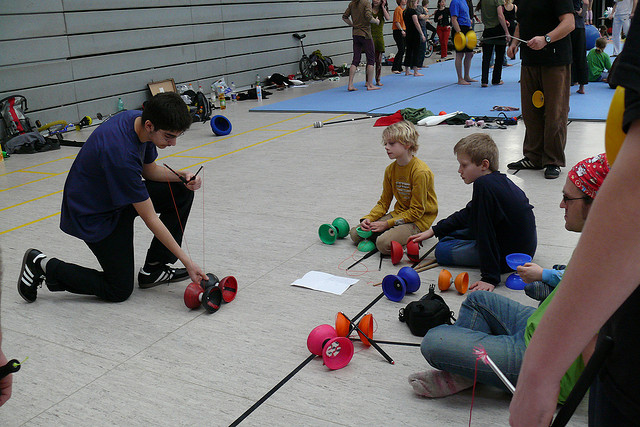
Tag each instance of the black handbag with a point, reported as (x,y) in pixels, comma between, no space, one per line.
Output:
(426,313)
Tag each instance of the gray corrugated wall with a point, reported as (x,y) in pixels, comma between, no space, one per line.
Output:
(72,58)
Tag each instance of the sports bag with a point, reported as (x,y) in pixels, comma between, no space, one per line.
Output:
(15,122)
(426,313)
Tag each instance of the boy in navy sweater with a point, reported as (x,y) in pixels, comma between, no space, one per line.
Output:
(496,222)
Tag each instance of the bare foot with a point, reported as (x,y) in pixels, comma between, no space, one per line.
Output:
(417,74)
(581,91)
(378,83)
(407,73)
(372,87)
(484,85)
(463,82)
(469,79)
(501,82)
(351,88)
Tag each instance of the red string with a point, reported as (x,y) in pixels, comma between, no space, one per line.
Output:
(351,272)
(473,392)
(204,267)
(184,239)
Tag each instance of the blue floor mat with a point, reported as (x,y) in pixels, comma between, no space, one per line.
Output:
(437,91)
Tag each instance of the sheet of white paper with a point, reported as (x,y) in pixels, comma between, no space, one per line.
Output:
(325,282)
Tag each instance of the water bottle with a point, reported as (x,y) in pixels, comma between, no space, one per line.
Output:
(120,104)
(223,101)
(234,97)
(190,86)
(258,88)
(200,88)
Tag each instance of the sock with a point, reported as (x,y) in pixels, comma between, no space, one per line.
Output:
(438,383)
(43,263)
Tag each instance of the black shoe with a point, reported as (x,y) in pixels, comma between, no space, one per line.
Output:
(551,171)
(523,163)
(160,275)
(31,275)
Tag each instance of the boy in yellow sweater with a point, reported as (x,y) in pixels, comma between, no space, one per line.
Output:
(410,181)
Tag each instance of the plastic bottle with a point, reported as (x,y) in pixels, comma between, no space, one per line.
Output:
(120,104)
(223,101)
(234,97)
(200,88)
(190,86)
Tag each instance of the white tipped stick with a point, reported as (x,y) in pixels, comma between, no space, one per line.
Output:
(481,353)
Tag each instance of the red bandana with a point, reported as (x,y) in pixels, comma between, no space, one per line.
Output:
(589,174)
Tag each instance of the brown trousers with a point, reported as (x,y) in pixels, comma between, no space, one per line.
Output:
(546,127)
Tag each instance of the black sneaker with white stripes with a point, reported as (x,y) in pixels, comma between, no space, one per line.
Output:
(31,275)
(159,275)
(523,163)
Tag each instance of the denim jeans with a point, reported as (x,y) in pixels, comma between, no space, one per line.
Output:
(458,248)
(486,319)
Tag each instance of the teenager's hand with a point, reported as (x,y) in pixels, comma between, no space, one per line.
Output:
(417,238)
(533,405)
(5,383)
(379,226)
(481,286)
(537,42)
(194,184)
(530,272)
(511,52)
(195,273)
(365,225)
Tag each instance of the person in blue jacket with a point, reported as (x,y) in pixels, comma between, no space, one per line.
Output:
(498,220)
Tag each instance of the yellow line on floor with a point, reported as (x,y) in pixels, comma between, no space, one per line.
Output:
(26,170)
(32,200)
(207,159)
(31,182)
(29,223)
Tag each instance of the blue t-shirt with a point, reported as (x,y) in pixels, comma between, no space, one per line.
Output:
(460,8)
(105,177)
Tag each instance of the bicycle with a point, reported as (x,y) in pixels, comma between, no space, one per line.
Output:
(310,69)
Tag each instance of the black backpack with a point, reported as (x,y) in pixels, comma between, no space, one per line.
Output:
(428,312)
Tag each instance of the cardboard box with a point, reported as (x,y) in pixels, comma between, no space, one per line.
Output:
(168,85)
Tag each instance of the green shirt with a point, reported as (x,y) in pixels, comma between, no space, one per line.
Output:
(490,12)
(598,62)
(571,376)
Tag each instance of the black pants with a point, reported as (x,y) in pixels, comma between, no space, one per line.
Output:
(487,52)
(602,409)
(115,252)
(579,67)
(397,61)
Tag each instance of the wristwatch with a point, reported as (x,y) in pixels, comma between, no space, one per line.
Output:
(547,39)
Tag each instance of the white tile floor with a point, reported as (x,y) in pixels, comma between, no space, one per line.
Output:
(267,188)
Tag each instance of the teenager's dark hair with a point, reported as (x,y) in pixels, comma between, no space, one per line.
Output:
(167,111)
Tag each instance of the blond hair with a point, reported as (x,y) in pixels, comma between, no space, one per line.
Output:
(479,146)
(403,132)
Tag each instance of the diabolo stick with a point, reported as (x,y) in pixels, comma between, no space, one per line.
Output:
(481,353)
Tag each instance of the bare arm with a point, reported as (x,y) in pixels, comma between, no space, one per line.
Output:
(155,172)
(503,23)
(566,25)
(454,23)
(6,383)
(586,298)
(417,24)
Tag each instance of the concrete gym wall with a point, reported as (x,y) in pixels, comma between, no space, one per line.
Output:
(72,58)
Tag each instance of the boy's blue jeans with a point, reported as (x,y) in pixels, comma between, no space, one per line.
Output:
(486,319)
(458,248)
